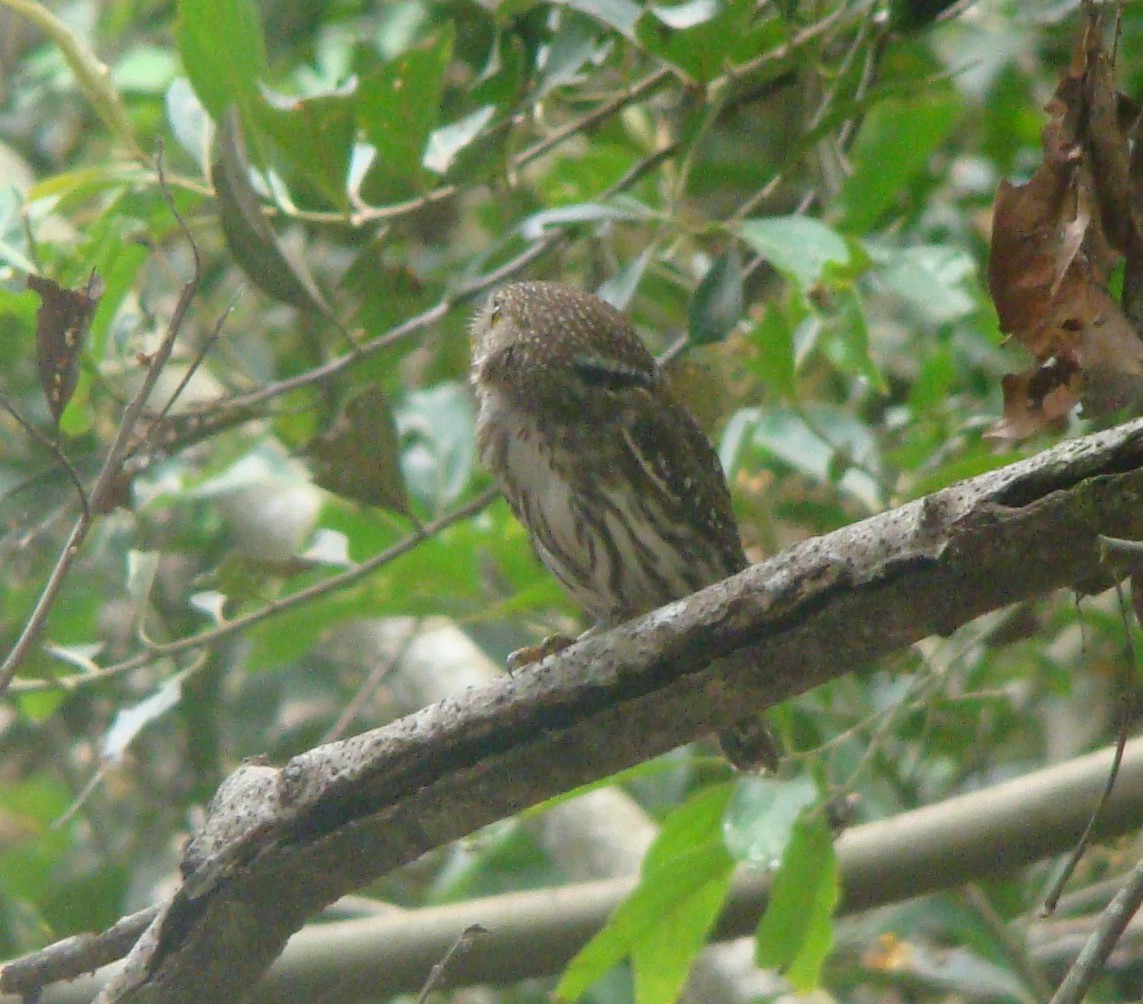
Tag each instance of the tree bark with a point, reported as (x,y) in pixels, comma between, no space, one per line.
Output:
(281,844)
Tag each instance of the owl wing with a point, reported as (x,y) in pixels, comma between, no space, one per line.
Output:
(674,450)
(674,454)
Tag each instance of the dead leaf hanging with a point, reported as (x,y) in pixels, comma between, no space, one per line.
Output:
(61,326)
(1055,242)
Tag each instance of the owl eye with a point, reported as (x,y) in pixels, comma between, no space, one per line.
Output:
(495,305)
(610,374)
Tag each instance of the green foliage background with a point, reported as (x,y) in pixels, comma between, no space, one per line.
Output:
(791,200)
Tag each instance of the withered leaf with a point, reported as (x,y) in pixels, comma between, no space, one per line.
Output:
(358,457)
(1056,240)
(61,326)
(1037,398)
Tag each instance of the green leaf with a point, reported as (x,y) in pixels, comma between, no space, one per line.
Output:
(448,141)
(576,40)
(662,960)
(398,105)
(311,140)
(704,37)
(849,348)
(538,224)
(717,304)
(618,14)
(438,431)
(359,456)
(131,720)
(796,931)
(697,821)
(761,817)
(117,255)
(619,289)
(797,246)
(34,849)
(811,442)
(224,52)
(189,121)
(896,140)
(687,15)
(145,69)
(773,340)
(931,278)
(934,381)
(251,239)
(664,923)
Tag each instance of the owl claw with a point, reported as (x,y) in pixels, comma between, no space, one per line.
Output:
(531,654)
(750,746)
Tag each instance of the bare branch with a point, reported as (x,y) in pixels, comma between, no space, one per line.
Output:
(1111,926)
(107,481)
(277,606)
(56,451)
(534,934)
(281,844)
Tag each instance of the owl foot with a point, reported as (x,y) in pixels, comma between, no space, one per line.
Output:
(531,654)
(749,745)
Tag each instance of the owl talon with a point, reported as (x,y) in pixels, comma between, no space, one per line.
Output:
(750,746)
(529,655)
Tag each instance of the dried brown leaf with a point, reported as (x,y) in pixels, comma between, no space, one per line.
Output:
(1037,399)
(61,326)
(1056,240)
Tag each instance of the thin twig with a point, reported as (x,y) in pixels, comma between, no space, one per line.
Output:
(462,944)
(436,313)
(106,482)
(397,210)
(1015,946)
(1112,923)
(318,589)
(56,451)
(1118,547)
(383,668)
(74,956)
(198,360)
(640,89)
(1127,712)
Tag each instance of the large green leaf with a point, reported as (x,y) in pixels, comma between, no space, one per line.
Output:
(773,340)
(796,931)
(705,37)
(799,247)
(310,140)
(663,925)
(718,301)
(398,106)
(896,141)
(621,15)
(251,239)
(224,52)
(761,817)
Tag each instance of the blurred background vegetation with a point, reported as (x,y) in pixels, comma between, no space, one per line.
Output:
(792,200)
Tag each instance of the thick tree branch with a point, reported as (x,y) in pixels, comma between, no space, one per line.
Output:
(280,844)
(983,834)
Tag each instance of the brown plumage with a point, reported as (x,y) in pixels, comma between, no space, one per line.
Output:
(622,493)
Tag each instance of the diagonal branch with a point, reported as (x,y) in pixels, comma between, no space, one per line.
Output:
(281,844)
(107,483)
(989,833)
